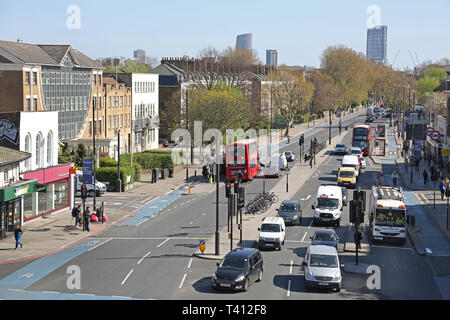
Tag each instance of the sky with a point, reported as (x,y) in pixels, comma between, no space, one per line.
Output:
(299,30)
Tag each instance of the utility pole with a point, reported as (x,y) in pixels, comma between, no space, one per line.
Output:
(329,129)
(118,181)
(217,204)
(94,132)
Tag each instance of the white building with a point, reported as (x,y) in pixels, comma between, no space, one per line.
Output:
(145,108)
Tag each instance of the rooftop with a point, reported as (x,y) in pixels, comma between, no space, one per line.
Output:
(10,156)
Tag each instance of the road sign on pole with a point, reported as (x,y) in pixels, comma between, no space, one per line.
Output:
(87,171)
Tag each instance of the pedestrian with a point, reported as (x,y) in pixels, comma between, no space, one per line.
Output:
(76,211)
(425,176)
(417,164)
(204,171)
(18,235)
(446,182)
(87,216)
(442,188)
(394,177)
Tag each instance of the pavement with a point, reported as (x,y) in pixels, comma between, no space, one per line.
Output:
(429,234)
(55,233)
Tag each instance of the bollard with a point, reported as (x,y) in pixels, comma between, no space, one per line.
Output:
(189,188)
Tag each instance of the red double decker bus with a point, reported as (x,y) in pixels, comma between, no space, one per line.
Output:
(363,138)
(242,157)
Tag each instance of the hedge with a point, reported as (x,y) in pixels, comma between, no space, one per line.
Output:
(109,174)
(150,160)
(107,162)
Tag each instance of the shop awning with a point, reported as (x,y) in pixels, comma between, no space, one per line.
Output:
(17,190)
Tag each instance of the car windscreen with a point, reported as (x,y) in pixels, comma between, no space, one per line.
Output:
(270,227)
(288,207)
(325,261)
(390,217)
(327,203)
(234,263)
(340,146)
(346,174)
(356,151)
(323,236)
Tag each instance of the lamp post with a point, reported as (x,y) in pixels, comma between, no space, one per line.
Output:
(118,181)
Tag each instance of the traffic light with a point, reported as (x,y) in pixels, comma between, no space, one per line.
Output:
(83,192)
(227,190)
(236,186)
(352,211)
(302,140)
(241,197)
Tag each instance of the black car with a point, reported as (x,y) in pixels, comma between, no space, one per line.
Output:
(164,143)
(291,212)
(369,119)
(238,269)
(325,237)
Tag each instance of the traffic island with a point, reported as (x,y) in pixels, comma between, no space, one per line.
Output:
(415,237)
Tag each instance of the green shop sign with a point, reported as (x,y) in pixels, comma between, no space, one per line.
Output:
(17,191)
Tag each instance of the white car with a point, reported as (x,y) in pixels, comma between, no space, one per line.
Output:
(290,156)
(322,268)
(358,152)
(271,233)
(340,149)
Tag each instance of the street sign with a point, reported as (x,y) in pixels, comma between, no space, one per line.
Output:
(202,245)
(435,135)
(429,130)
(87,171)
(417,149)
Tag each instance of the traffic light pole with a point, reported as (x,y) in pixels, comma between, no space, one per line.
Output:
(217,209)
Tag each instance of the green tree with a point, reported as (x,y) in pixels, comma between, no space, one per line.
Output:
(221,108)
(80,154)
(129,66)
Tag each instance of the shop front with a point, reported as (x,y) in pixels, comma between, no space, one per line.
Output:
(11,208)
(52,194)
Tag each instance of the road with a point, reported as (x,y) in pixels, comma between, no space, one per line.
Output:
(154,259)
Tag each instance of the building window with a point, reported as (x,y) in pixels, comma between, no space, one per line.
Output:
(121,101)
(27,78)
(126,119)
(50,148)
(28,149)
(34,106)
(109,102)
(34,78)
(109,122)
(99,129)
(121,120)
(27,106)
(39,150)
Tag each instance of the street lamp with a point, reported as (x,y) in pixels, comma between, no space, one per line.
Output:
(118,181)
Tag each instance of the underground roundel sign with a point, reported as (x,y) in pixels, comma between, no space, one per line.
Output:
(435,135)
(202,245)
(429,131)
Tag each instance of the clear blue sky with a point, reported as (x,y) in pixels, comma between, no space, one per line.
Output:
(300,30)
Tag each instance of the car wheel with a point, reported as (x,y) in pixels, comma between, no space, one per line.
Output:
(246,285)
(260,276)
(90,193)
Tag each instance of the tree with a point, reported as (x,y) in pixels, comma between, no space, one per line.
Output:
(80,154)
(291,94)
(223,107)
(326,93)
(349,70)
(129,66)
(171,114)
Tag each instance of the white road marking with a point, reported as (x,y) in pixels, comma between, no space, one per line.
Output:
(52,292)
(204,213)
(127,277)
(310,224)
(144,257)
(18,290)
(182,281)
(400,248)
(100,244)
(190,262)
(309,196)
(159,245)
(289,288)
(290,270)
(304,236)
(141,222)
(84,294)
(428,250)
(191,222)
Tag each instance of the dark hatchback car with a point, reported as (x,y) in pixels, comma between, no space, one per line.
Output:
(238,270)
(369,118)
(291,212)
(325,237)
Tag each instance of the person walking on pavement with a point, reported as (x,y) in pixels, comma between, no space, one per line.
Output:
(76,211)
(394,177)
(17,235)
(442,188)
(87,216)
(425,176)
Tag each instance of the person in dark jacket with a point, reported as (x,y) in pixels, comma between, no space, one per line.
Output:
(425,176)
(18,234)
(76,211)
(87,216)
(442,188)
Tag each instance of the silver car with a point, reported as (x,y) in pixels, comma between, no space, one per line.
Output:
(322,268)
(358,152)
(340,149)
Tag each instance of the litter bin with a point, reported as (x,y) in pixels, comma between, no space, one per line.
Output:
(164,174)
(170,172)
(155,175)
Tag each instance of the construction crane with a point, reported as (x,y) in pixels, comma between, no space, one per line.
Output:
(414,63)
(395,57)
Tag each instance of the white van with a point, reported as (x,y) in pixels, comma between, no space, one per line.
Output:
(273,167)
(99,187)
(352,161)
(271,233)
(329,205)
(370,112)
